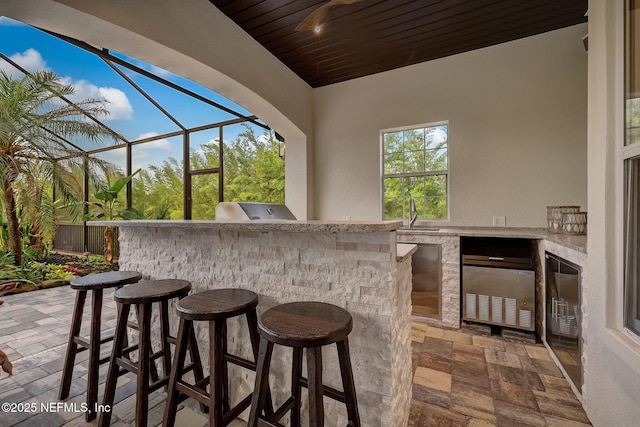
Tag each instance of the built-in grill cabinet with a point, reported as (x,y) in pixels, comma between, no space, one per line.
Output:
(498,282)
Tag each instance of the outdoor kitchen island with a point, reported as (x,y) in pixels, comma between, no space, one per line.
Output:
(355,265)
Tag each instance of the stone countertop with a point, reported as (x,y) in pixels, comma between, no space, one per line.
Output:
(404,250)
(264,225)
(578,243)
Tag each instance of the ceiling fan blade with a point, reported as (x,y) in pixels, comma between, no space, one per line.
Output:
(318,16)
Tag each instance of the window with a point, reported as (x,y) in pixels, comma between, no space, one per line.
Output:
(415,165)
(631,160)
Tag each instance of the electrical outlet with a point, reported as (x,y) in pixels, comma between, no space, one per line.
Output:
(346,217)
(499,221)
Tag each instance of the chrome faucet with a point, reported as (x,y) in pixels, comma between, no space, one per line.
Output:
(413,212)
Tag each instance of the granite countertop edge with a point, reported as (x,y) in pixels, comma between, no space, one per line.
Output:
(262,225)
(575,242)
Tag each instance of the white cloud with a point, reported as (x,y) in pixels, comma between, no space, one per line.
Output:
(30,59)
(153,152)
(117,104)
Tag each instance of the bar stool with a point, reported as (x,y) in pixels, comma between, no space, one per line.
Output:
(310,326)
(143,295)
(95,283)
(214,306)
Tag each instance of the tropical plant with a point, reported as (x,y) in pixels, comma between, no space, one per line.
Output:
(36,121)
(108,204)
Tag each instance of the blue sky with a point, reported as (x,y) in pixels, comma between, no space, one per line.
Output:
(130,113)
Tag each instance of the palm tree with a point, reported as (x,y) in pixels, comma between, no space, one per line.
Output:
(36,119)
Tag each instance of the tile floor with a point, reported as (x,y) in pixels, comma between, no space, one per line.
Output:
(461,378)
(470,378)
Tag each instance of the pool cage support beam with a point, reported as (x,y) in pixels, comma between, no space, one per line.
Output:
(111,61)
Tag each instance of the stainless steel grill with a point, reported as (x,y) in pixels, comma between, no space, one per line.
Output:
(239,211)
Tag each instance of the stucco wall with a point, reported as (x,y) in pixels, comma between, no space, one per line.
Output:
(612,360)
(517,130)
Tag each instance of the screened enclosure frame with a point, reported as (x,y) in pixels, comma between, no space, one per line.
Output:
(112,60)
(183,131)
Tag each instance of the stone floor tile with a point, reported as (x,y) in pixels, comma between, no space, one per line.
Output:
(414,412)
(512,415)
(29,375)
(535,383)
(488,342)
(417,335)
(538,352)
(431,396)
(463,351)
(471,397)
(547,367)
(473,374)
(457,336)
(431,415)
(514,394)
(434,361)
(553,383)
(508,374)
(431,378)
(437,346)
(553,421)
(515,348)
(187,417)
(434,332)
(475,422)
(473,413)
(502,358)
(554,405)
(13,418)
(566,398)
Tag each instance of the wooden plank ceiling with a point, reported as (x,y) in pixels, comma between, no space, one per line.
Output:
(371,36)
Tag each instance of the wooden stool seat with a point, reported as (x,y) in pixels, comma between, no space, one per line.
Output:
(305,324)
(76,344)
(214,306)
(217,304)
(142,295)
(310,326)
(152,291)
(105,280)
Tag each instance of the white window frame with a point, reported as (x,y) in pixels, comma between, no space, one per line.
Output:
(627,152)
(446,172)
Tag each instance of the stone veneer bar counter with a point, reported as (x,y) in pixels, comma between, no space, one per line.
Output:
(355,265)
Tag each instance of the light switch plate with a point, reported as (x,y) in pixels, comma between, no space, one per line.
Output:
(499,220)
